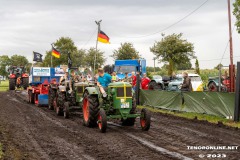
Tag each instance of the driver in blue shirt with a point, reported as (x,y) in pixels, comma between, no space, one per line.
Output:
(103,79)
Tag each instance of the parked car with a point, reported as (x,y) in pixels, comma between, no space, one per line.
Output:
(156,83)
(197,83)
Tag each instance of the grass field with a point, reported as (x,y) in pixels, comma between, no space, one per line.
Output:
(209,118)
(4,86)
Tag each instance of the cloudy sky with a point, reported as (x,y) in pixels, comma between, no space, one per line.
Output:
(32,25)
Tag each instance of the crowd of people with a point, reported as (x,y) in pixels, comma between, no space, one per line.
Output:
(102,79)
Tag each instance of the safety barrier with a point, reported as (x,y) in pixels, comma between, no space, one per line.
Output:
(212,103)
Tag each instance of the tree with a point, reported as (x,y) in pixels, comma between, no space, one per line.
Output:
(197,68)
(64,45)
(18,60)
(126,51)
(90,57)
(184,66)
(4,61)
(236,12)
(174,50)
(219,65)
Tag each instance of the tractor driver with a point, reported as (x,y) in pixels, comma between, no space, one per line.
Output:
(73,78)
(103,81)
(64,78)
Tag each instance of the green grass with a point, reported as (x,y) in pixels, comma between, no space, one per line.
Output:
(209,118)
(1,151)
(4,86)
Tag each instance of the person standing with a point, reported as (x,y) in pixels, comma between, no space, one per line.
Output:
(187,84)
(145,81)
(134,80)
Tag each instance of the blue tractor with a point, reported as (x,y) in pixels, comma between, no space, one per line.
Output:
(128,66)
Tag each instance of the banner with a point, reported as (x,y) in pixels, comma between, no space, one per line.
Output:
(60,71)
(212,103)
(41,71)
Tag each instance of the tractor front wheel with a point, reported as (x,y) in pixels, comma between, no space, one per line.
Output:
(25,83)
(145,119)
(102,121)
(66,110)
(90,110)
(12,83)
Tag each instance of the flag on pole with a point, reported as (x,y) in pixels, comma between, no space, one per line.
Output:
(37,57)
(102,37)
(55,52)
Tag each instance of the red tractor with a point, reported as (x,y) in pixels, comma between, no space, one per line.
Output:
(18,77)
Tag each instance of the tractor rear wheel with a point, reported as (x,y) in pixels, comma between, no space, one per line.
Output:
(66,110)
(31,97)
(131,121)
(60,103)
(145,119)
(25,83)
(51,96)
(102,121)
(212,87)
(12,83)
(90,110)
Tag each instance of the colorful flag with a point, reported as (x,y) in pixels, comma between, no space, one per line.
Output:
(102,37)
(37,57)
(55,53)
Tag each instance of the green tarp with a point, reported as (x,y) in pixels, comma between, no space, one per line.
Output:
(212,103)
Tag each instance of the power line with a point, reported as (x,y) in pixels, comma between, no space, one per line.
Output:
(90,38)
(170,26)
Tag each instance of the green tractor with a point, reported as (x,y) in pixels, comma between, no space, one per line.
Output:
(64,101)
(118,102)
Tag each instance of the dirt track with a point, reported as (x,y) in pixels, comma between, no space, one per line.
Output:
(30,132)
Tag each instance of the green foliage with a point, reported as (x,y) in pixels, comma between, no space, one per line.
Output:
(18,60)
(151,69)
(15,60)
(236,12)
(4,61)
(219,65)
(197,68)
(90,56)
(126,51)
(174,50)
(184,66)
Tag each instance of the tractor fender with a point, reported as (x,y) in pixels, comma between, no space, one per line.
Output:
(91,90)
(62,88)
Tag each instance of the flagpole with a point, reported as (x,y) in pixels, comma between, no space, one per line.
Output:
(95,56)
(51,54)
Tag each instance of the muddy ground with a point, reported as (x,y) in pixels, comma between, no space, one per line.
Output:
(30,132)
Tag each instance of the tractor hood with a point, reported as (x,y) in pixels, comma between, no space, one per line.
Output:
(119,84)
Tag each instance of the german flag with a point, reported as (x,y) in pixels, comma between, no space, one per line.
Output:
(102,37)
(55,53)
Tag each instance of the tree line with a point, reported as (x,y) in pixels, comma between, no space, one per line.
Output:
(172,50)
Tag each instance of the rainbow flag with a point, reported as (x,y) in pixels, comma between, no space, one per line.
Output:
(102,37)
(55,53)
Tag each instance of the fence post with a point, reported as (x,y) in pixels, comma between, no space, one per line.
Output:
(137,91)
(237,94)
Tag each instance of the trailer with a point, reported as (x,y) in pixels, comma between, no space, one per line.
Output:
(39,81)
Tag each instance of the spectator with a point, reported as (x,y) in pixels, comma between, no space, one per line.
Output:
(127,79)
(134,80)
(145,81)
(103,79)
(187,84)
(114,77)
